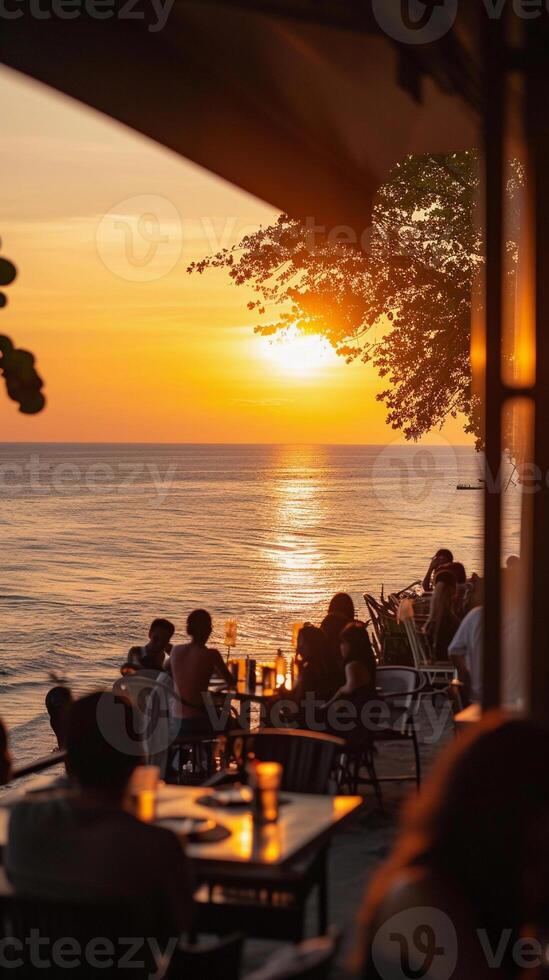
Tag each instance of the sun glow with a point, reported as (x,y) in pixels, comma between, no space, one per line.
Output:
(298,354)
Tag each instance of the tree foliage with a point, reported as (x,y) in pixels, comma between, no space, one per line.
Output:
(23,383)
(403,303)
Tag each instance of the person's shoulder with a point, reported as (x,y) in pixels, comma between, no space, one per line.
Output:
(49,810)
(178,649)
(158,840)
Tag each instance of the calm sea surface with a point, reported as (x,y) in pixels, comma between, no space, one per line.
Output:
(99,539)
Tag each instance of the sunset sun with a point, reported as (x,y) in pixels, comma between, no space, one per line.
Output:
(297,354)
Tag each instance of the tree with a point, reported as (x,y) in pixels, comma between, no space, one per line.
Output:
(23,383)
(403,303)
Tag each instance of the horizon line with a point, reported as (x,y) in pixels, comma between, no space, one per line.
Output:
(116,442)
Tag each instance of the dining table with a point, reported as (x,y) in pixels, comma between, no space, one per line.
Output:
(234,852)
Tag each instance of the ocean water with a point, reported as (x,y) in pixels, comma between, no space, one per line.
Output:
(99,539)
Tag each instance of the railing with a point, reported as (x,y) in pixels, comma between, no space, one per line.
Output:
(39,765)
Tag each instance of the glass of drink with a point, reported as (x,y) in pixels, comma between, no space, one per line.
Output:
(265,778)
(143,792)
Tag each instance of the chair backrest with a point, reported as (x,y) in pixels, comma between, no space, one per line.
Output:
(307,757)
(416,646)
(400,687)
(220,959)
(98,936)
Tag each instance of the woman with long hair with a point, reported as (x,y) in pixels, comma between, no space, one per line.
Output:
(342,604)
(442,622)
(463,881)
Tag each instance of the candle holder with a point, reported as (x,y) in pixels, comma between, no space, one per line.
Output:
(265,778)
(230,635)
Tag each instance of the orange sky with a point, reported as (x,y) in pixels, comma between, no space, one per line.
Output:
(132,348)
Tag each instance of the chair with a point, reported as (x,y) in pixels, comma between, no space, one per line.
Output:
(438,674)
(400,688)
(91,929)
(307,757)
(200,962)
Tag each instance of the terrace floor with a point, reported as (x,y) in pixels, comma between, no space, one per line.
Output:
(364,842)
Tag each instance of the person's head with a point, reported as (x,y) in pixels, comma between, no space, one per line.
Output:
(97,732)
(58,699)
(355,645)
(332,626)
(5,757)
(443,557)
(58,702)
(160,634)
(342,604)
(447,578)
(199,626)
(513,561)
(472,823)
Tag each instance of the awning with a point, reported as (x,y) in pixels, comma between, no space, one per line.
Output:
(307,105)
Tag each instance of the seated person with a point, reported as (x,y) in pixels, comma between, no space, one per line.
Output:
(332,626)
(82,844)
(58,703)
(457,879)
(342,604)
(320,669)
(442,557)
(152,656)
(5,757)
(193,665)
(442,622)
(465,651)
(359,665)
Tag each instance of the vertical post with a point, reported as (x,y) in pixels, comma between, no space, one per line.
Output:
(494,96)
(537,135)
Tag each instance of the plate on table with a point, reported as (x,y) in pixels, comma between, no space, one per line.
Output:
(194,829)
(232,796)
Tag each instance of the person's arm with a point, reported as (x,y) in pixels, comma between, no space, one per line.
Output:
(426,584)
(458,659)
(134,656)
(352,682)
(220,668)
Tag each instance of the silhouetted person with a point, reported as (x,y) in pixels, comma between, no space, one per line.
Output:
(359,665)
(342,604)
(58,703)
(463,871)
(5,756)
(320,669)
(442,557)
(152,656)
(443,622)
(332,626)
(193,665)
(84,844)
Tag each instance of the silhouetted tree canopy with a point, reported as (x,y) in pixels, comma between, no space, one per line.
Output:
(23,383)
(403,303)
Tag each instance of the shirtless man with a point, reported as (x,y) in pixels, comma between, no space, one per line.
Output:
(192,666)
(153,654)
